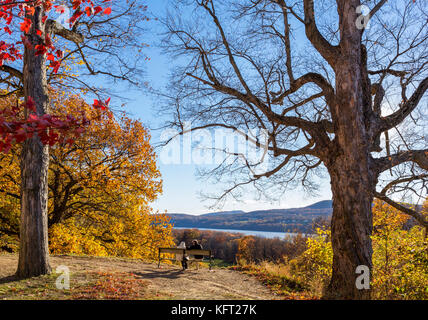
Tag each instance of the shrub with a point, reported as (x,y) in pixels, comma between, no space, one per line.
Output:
(313,266)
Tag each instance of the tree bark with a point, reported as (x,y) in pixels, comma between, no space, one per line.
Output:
(353,180)
(351,168)
(34,250)
(351,228)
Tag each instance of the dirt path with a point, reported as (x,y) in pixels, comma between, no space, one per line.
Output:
(167,281)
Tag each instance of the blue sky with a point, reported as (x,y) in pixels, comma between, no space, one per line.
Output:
(181,187)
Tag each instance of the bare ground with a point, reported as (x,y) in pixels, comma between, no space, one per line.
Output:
(166,282)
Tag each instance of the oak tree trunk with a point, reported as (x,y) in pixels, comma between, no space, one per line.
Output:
(350,167)
(351,227)
(34,250)
(352,184)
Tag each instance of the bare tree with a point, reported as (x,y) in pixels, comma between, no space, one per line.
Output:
(335,91)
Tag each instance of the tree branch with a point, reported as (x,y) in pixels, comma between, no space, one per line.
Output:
(10,194)
(57,29)
(376,8)
(420,157)
(418,216)
(310,77)
(12,71)
(327,51)
(406,108)
(391,184)
(316,129)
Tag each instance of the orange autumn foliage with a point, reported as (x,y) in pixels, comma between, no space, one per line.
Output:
(101,185)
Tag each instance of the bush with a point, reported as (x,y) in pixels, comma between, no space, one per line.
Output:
(400,257)
(313,266)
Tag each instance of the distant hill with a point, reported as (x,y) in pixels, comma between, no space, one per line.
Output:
(223,213)
(281,220)
(326,204)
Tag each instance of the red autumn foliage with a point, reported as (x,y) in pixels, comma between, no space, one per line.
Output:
(51,129)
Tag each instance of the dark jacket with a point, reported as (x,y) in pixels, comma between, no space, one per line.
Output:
(196,247)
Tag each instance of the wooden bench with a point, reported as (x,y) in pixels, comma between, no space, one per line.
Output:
(185,253)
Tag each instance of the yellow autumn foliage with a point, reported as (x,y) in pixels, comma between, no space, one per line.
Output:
(400,256)
(100,188)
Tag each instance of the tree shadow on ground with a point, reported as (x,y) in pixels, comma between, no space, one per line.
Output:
(168,274)
(8,279)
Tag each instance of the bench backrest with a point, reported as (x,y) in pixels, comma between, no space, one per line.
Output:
(194,252)
(171,250)
(198,252)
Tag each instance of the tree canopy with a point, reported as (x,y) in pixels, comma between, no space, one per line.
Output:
(101,185)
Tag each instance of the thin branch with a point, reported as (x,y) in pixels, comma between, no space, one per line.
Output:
(406,108)
(418,216)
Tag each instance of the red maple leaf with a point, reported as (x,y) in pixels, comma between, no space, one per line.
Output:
(26,25)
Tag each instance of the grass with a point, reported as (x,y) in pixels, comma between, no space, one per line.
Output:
(218,263)
(278,278)
(86,285)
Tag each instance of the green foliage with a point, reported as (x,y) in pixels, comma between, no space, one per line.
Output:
(218,263)
(8,243)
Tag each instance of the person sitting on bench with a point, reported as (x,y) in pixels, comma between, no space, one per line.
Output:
(180,257)
(197,246)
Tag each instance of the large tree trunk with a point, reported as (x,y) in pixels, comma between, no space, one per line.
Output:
(351,228)
(34,250)
(352,184)
(350,165)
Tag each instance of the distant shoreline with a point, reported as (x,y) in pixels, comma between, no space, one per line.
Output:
(294,220)
(259,233)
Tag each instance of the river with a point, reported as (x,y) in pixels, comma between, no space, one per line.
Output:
(264,234)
